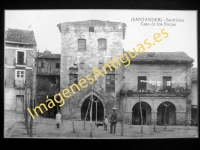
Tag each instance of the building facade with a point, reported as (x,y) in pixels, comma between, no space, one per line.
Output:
(48,79)
(88,44)
(20,50)
(161,82)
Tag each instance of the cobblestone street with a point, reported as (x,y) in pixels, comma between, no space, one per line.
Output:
(46,128)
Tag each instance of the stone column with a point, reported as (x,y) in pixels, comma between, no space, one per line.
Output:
(180,117)
(128,117)
(188,119)
(153,117)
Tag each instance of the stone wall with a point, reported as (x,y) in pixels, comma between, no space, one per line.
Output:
(155,102)
(85,60)
(154,72)
(10,98)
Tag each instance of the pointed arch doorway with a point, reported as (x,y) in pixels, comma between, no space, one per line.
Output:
(97,109)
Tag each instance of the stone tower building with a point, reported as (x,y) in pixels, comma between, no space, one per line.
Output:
(85,45)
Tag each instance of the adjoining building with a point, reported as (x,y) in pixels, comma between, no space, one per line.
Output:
(20,50)
(48,79)
(159,79)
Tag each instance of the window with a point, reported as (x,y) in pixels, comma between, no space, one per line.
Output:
(142,84)
(19,78)
(42,64)
(73,79)
(102,44)
(167,82)
(21,74)
(110,82)
(20,57)
(91,29)
(57,65)
(82,44)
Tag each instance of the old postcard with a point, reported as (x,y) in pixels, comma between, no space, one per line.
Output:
(100,74)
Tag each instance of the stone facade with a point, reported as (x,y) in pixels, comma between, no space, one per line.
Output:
(92,56)
(156,72)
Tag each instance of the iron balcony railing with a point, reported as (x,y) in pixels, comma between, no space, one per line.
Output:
(43,71)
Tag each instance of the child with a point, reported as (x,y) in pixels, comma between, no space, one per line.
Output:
(58,119)
(105,123)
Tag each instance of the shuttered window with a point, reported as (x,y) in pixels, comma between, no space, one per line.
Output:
(102,44)
(142,84)
(81,44)
(110,82)
(91,29)
(57,65)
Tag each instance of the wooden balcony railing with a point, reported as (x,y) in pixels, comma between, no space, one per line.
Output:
(172,88)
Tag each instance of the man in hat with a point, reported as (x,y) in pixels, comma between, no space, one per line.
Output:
(113,120)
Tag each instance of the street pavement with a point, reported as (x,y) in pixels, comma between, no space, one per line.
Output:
(10,117)
(46,128)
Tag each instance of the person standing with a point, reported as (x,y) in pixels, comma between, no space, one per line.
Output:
(58,119)
(105,123)
(113,120)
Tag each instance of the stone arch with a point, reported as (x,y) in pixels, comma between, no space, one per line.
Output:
(146,113)
(170,117)
(88,94)
(98,109)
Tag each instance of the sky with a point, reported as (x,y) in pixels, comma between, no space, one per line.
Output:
(182,35)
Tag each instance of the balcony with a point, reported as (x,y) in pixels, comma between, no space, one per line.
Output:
(19,84)
(156,89)
(18,63)
(43,71)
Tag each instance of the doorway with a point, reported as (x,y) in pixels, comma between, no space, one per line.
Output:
(97,109)
(146,114)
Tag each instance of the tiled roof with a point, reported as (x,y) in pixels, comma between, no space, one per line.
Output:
(194,74)
(49,56)
(21,36)
(162,56)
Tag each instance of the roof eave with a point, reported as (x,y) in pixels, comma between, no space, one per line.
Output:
(21,43)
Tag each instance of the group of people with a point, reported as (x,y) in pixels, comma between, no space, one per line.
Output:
(113,120)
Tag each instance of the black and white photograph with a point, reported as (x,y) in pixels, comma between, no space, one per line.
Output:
(100,74)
